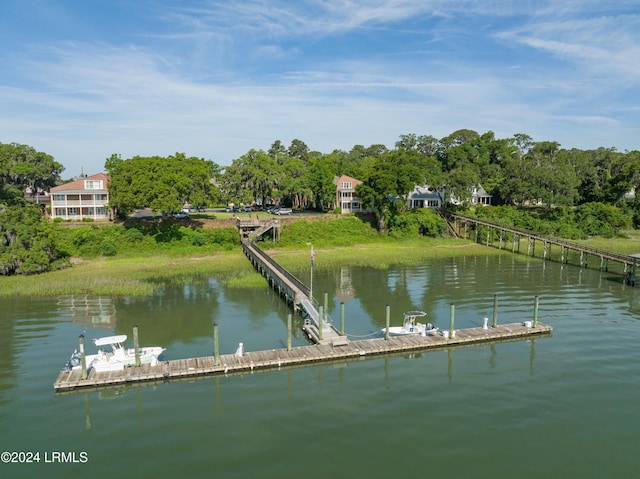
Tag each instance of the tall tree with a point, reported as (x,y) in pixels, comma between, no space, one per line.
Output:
(254,177)
(22,167)
(162,184)
(388,183)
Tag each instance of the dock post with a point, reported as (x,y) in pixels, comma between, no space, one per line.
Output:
(216,351)
(452,313)
(83,358)
(387,321)
(341,318)
(136,345)
(289,332)
(320,321)
(495,310)
(326,306)
(535,312)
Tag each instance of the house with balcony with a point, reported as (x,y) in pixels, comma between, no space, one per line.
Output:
(87,197)
(346,198)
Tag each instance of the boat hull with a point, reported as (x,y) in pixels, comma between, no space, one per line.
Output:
(102,362)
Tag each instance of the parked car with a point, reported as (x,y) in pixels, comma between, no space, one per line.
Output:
(181,215)
(247,209)
(284,211)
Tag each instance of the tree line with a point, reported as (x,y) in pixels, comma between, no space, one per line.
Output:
(516,171)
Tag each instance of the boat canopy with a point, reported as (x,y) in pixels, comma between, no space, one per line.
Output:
(110,340)
(415,313)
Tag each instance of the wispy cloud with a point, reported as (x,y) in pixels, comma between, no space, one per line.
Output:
(216,78)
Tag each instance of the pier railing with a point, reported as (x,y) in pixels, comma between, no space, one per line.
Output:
(294,288)
(629,262)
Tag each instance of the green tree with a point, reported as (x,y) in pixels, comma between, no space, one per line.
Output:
(22,168)
(254,176)
(162,184)
(320,180)
(388,183)
(27,241)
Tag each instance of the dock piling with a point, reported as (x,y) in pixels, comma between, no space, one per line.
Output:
(341,318)
(289,332)
(320,321)
(452,313)
(535,312)
(216,351)
(495,310)
(136,345)
(326,306)
(387,321)
(83,358)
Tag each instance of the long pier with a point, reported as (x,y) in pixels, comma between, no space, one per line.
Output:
(294,291)
(330,343)
(497,235)
(275,359)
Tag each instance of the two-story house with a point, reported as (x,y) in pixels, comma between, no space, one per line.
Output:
(479,196)
(87,197)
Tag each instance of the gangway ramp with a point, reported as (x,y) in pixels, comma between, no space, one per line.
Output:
(295,291)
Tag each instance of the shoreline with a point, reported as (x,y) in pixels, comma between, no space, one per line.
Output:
(142,275)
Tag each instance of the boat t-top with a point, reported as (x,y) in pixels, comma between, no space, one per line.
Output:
(411,326)
(117,358)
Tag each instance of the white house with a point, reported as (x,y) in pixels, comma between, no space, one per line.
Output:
(425,197)
(479,196)
(87,197)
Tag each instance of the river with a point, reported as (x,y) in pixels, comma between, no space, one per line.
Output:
(559,406)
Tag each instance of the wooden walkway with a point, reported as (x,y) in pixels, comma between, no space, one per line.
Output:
(303,355)
(497,235)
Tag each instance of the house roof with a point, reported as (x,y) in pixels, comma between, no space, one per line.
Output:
(338,180)
(78,185)
(423,193)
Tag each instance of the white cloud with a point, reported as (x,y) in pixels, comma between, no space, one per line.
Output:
(82,101)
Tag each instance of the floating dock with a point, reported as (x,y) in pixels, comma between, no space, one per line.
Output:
(302,355)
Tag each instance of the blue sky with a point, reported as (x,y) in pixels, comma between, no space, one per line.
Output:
(215,78)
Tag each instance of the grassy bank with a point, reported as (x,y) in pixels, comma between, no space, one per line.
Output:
(145,274)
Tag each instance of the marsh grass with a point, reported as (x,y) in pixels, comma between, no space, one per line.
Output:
(129,276)
(379,255)
(146,273)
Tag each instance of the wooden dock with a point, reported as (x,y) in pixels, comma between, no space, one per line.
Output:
(302,355)
(499,236)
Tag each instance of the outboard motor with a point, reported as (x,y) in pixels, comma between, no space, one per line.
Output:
(74,361)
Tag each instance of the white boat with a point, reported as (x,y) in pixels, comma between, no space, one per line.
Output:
(117,358)
(411,326)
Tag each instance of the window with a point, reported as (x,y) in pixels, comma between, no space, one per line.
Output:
(100,197)
(92,184)
(346,185)
(58,197)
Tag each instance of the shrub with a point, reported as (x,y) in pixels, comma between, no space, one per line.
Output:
(108,248)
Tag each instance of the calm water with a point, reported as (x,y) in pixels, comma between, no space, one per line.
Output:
(561,406)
